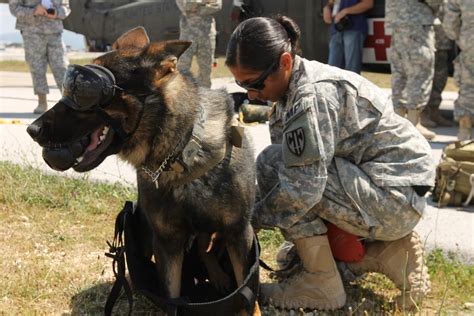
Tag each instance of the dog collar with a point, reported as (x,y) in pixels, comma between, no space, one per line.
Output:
(188,154)
(194,144)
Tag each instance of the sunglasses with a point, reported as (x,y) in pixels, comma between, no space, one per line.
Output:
(87,87)
(258,84)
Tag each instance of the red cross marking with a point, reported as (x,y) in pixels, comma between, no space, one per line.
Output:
(379,41)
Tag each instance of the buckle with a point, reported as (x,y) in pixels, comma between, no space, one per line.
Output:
(191,149)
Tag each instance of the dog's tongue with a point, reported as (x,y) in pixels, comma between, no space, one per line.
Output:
(94,139)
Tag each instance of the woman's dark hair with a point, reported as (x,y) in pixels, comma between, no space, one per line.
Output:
(257,43)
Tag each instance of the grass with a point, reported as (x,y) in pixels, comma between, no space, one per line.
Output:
(22,66)
(53,233)
(221,71)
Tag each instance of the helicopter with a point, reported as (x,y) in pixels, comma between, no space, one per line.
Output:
(103,21)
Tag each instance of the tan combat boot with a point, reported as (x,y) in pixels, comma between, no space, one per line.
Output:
(42,104)
(317,286)
(465,128)
(402,262)
(414,117)
(435,116)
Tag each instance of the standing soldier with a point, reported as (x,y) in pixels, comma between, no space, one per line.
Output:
(412,56)
(197,24)
(41,25)
(431,116)
(458,24)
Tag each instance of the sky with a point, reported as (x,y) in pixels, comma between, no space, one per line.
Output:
(8,33)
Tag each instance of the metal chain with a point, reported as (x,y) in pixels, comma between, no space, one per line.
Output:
(155,175)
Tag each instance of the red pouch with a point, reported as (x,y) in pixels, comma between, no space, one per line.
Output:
(344,246)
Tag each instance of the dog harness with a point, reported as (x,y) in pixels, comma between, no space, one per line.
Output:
(126,251)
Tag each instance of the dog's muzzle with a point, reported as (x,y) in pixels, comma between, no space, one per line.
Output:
(63,157)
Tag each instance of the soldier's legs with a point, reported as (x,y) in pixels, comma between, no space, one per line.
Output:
(464,105)
(57,58)
(431,116)
(205,56)
(35,56)
(418,63)
(185,61)
(420,70)
(439,79)
(398,81)
(357,206)
(464,68)
(354,204)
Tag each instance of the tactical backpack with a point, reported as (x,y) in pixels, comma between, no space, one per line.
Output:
(127,250)
(455,175)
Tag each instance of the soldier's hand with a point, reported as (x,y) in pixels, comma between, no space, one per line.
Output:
(340,15)
(39,10)
(327,15)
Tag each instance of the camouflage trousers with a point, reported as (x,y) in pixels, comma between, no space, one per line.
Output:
(350,201)
(440,78)
(464,77)
(412,57)
(42,50)
(203,36)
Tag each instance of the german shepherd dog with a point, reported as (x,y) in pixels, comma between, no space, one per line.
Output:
(192,183)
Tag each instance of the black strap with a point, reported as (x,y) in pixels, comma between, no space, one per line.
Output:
(249,297)
(120,282)
(116,252)
(140,272)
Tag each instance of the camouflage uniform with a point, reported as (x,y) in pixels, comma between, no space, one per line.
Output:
(339,153)
(458,24)
(412,50)
(42,40)
(197,24)
(441,70)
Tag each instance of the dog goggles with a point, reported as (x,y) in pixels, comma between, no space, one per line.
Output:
(87,87)
(258,84)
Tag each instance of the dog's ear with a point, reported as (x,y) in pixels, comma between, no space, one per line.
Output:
(135,38)
(176,48)
(170,51)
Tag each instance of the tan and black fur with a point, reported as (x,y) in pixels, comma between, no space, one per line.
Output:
(158,108)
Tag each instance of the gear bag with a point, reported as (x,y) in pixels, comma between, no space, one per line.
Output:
(455,175)
(129,250)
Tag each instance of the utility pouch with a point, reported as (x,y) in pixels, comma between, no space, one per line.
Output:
(455,175)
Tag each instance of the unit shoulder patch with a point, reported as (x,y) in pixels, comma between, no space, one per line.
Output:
(301,139)
(296,141)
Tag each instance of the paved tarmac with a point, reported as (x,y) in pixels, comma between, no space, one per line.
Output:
(451,229)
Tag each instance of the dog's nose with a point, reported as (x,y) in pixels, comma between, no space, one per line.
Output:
(34,130)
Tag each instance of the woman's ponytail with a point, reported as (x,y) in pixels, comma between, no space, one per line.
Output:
(293,31)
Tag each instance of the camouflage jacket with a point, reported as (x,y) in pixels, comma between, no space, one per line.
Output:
(409,12)
(328,112)
(458,22)
(26,21)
